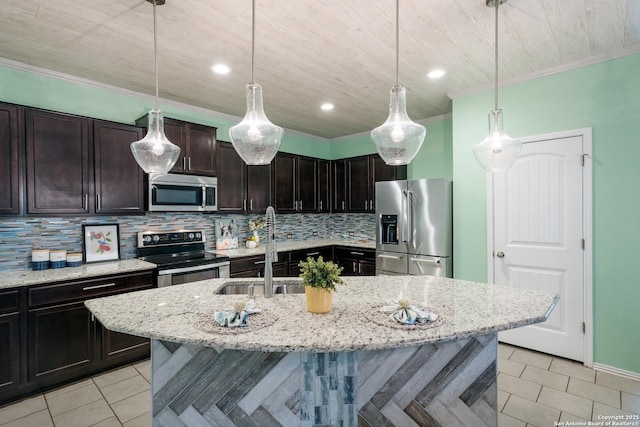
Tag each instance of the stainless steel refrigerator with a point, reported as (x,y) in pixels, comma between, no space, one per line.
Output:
(414,227)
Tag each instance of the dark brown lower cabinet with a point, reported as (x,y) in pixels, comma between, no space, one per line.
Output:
(10,363)
(355,262)
(49,338)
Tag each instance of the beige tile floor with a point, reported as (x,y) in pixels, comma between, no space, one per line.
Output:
(534,390)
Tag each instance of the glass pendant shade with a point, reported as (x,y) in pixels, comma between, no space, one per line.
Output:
(255,138)
(398,139)
(155,153)
(498,151)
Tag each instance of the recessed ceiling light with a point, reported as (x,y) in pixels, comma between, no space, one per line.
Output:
(436,74)
(327,106)
(221,69)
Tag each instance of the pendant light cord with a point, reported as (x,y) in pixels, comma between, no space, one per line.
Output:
(397,42)
(253,38)
(155,48)
(496,58)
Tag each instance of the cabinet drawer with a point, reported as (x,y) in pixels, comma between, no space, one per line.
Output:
(325,252)
(354,253)
(86,289)
(9,301)
(246,263)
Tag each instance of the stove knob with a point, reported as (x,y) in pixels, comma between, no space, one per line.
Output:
(147,239)
(156,238)
(190,236)
(198,236)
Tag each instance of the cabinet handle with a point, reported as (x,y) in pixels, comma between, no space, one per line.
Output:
(98,204)
(313,253)
(300,204)
(189,163)
(85,203)
(250,204)
(366,205)
(359,268)
(258,262)
(357,253)
(371,204)
(106,285)
(343,205)
(244,205)
(320,204)
(295,205)
(184,163)
(354,266)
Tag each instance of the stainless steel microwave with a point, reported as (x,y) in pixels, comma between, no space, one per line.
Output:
(182,193)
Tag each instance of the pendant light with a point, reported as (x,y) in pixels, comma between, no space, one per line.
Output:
(498,151)
(155,153)
(398,139)
(255,138)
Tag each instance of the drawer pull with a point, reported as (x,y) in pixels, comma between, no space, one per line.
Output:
(259,262)
(357,253)
(106,285)
(313,253)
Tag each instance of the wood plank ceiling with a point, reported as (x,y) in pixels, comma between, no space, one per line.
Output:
(308,52)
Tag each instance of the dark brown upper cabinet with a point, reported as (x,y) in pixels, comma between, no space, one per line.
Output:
(9,158)
(58,153)
(76,165)
(241,188)
(295,183)
(119,181)
(339,185)
(197,146)
(361,174)
(324,186)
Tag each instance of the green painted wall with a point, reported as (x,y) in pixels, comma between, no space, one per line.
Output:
(351,146)
(606,97)
(51,93)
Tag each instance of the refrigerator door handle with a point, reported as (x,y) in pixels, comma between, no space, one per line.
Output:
(428,261)
(390,257)
(409,215)
(404,216)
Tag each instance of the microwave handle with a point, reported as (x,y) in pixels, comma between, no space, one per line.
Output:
(204,196)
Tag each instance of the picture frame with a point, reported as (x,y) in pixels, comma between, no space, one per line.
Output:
(100,242)
(226,234)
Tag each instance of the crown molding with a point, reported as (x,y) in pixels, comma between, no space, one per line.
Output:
(632,50)
(368,132)
(19,66)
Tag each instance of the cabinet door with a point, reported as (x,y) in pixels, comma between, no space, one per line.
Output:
(61,341)
(119,181)
(358,184)
(366,268)
(58,172)
(117,345)
(232,179)
(9,160)
(201,150)
(176,132)
(339,178)
(9,351)
(307,184)
(284,183)
(324,186)
(258,188)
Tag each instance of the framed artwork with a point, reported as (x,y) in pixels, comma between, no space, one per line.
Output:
(226,234)
(100,242)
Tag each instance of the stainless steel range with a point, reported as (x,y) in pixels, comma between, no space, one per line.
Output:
(180,256)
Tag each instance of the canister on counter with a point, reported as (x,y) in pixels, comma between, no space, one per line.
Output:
(57,258)
(40,259)
(74,259)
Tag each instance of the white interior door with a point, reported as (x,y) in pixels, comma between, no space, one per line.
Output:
(538,240)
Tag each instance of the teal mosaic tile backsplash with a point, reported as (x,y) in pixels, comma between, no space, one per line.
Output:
(19,235)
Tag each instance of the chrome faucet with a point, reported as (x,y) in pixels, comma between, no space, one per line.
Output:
(270,252)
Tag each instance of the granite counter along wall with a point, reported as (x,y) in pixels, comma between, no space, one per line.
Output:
(19,235)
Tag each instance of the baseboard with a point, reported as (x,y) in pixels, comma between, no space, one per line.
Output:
(616,371)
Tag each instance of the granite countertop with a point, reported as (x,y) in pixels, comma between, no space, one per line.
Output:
(19,278)
(467,309)
(294,245)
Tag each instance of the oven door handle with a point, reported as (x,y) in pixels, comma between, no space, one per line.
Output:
(194,268)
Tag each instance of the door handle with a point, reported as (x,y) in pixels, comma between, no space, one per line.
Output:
(500,254)
(428,261)
(98,204)
(389,257)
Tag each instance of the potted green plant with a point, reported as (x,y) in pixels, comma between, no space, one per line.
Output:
(320,279)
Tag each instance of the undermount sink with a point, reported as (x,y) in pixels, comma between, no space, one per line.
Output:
(279,287)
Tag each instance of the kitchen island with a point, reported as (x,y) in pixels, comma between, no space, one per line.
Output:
(350,366)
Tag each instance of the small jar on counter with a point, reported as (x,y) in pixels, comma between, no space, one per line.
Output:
(40,259)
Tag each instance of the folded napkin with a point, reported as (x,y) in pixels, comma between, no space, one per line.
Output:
(403,312)
(237,316)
